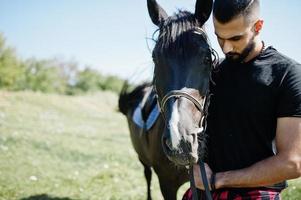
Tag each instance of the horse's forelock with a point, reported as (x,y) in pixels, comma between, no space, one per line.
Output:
(173,31)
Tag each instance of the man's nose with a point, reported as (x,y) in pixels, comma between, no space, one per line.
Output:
(227,47)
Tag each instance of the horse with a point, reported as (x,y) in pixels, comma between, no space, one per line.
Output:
(147,140)
(184,61)
(183,65)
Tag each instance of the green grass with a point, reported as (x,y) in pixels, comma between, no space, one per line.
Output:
(64,147)
(55,147)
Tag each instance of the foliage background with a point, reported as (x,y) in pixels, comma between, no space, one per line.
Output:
(51,75)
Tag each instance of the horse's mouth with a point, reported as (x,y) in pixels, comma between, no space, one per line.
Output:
(181,156)
(181,159)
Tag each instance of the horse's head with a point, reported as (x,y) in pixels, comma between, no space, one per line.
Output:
(183,63)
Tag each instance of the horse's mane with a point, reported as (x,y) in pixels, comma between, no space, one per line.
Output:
(131,99)
(175,32)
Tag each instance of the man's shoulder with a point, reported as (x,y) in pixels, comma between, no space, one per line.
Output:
(277,58)
(277,63)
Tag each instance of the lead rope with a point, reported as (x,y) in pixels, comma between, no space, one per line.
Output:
(192,184)
(205,182)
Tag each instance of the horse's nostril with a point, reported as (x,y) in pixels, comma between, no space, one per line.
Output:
(168,144)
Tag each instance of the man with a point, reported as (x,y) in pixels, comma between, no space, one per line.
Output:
(254,121)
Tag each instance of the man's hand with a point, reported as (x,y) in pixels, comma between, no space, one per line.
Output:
(198,177)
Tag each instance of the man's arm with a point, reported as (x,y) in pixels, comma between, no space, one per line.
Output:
(286,164)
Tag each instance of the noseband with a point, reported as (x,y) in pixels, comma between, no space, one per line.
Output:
(178,94)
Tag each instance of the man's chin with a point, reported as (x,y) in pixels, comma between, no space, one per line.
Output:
(233,59)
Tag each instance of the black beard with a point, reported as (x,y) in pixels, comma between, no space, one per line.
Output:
(240,57)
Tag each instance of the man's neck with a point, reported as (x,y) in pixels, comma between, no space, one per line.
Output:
(259,46)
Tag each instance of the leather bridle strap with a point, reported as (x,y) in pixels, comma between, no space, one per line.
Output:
(179,93)
(192,184)
(205,180)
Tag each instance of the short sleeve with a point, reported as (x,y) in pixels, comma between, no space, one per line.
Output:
(289,102)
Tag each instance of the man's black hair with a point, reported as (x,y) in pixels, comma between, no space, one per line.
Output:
(226,10)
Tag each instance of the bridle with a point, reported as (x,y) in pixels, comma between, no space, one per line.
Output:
(203,108)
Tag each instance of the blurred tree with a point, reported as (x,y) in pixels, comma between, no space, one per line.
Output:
(53,75)
(44,76)
(112,83)
(89,80)
(10,68)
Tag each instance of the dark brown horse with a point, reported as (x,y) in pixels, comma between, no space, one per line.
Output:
(183,65)
(147,140)
(182,58)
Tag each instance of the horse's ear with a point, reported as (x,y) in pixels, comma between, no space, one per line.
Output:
(156,12)
(203,10)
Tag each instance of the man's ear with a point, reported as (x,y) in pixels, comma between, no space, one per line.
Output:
(258,25)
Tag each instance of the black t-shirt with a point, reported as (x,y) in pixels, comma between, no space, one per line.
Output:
(247,99)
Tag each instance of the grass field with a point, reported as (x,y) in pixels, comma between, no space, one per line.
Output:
(56,147)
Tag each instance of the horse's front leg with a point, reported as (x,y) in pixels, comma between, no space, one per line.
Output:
(148,177)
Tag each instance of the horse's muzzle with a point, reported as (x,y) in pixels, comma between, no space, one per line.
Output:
(183,155)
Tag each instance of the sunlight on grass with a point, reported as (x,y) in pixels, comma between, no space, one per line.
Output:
(67,148)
